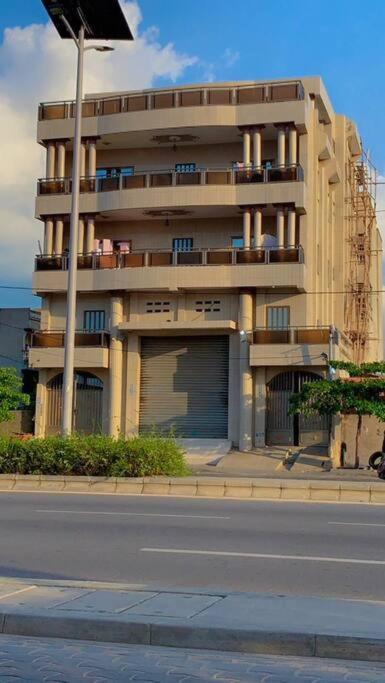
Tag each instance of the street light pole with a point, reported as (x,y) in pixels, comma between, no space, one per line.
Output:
(69,353)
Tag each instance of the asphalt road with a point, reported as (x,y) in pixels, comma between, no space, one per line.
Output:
(274,547)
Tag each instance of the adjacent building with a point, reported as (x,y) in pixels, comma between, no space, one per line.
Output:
(227,249)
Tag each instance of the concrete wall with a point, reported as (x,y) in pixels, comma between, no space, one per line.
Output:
(21,423)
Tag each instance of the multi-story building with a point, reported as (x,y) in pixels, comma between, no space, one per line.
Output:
(223,258)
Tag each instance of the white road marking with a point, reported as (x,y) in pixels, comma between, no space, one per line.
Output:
(260,556)
(129,514)
(21,590)
(355,524)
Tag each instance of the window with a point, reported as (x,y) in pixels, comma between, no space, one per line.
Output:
(237,242)
(278,317)
(208,306)
(190,167)
(267,163)
(114,171)
(94,321)
(158,307)
(182,244)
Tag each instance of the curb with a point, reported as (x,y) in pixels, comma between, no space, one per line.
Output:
(203,487)
(182,635)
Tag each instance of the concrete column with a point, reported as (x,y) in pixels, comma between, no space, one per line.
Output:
(81,236)
(90,238)
(50,161)
(246,228)
(48,237)
(281,149)
(259,407)
(116,367)
(246,301)
(280,228)
(246,147)
(257,148)
(59,227)
(83,159)
(92,158)
(291,220)
(61,159)
(41,404)
(292,146)
(257,228)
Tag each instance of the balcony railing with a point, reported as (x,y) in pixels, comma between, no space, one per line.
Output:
(170,178)
(292,335)
(161,257)
(170,99)
(45,339)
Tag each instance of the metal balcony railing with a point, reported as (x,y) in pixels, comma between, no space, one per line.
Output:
(166,257)
(175,98)
(171,178)
(47,339)
(292,335)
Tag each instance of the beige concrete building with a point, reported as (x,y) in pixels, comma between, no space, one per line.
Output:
(224,255)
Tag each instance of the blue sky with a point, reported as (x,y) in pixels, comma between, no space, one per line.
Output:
(343,41)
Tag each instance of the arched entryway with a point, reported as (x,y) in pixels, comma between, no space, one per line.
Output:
(88,403)
(283,428)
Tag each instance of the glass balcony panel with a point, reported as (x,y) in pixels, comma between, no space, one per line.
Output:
(49,112)
(133,181)
(49,263)
(255,175)
(271,337)
(284,255)
(84,262)
(106,261)
(160,258)
(132,260)
(161,179)
(113,106)
(189,258)
(216,258)
(53,186)
(164,100)
(108,184)
(136,103)
(87,185)
(190,99)
(284,92)
(217,96)
(312,336)
(188,178)
(218,178)
(251,95)
(250,256)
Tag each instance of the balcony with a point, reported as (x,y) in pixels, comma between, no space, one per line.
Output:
(175,98)
(165,270)
(292,346)
(46,349)
(170,178)
(161,189)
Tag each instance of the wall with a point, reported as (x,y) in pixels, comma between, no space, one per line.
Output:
(21,423)
(372,435)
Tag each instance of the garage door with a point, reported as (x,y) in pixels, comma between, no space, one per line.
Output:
(184,385)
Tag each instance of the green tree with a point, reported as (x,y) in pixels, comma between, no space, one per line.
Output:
(365,396)
(11,394)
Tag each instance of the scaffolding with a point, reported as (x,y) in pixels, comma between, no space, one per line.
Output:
(361,216)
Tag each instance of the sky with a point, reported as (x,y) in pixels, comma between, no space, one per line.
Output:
(177,42)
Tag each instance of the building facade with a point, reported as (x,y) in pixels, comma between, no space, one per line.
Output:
(227,249)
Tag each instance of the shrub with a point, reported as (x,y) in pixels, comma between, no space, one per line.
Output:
(95,455)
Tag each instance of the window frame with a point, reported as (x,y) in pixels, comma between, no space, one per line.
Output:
(182,239)
(277,326)
(92,314)
(186,167)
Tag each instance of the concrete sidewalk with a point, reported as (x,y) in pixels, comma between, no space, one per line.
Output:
(235,622)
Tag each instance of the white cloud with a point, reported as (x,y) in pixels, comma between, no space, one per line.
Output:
(230,57)
(36,65)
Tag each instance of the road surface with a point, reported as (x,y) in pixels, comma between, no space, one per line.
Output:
(274,547)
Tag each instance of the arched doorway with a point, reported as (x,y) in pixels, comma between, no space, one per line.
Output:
(283,428)
(88,404)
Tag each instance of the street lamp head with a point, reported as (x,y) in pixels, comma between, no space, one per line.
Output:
(103,48)
(101,19)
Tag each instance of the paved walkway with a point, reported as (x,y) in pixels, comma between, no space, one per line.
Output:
(33,660)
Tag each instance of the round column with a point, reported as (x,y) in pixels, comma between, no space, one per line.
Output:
(280,228)
(246,301)
(90,238)
(246,147)
(116,368)
(293,138)
(83,160)
(61,159)
(257,228)
(281,149)
(50,160)
(246,228)
(291,224)
(257,147)
(81,236)
(48,237)
(92,158)
(59,228)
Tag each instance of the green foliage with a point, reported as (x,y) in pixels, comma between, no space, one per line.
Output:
(11,395)
(95,455)
(359,370)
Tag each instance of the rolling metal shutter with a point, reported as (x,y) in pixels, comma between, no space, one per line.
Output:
(184,386)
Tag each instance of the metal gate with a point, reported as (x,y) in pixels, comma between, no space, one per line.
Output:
(184,385)
(297,430)
(88,404)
